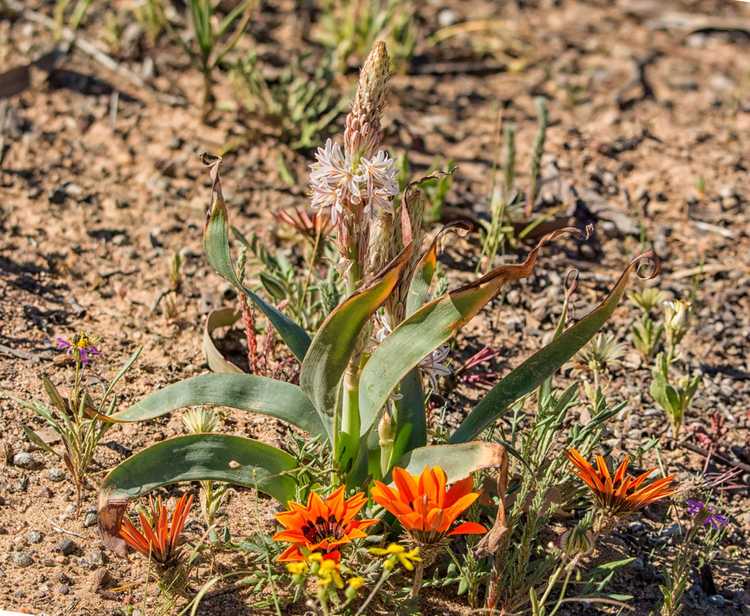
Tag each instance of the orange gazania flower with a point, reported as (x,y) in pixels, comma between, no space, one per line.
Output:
(623,493)
(424,507)
(321,526)
(158,536)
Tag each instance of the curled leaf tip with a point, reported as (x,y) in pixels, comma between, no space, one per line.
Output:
(571,282)
(111,509)
(647,265)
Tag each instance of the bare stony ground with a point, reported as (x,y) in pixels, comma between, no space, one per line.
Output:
(101,183)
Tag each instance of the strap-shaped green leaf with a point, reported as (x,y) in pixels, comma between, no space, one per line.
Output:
(196,457)
(545,362)
(458,461)
(224,317)
(335,341)
(246,392)
(419,287)
(411,424)
(428,328)
(216,245)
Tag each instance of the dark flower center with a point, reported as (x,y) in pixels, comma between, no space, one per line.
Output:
(323,529)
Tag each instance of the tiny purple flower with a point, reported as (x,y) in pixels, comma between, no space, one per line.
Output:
(62,344)
(694,507)
(87,354)
(716,520)
(81,347)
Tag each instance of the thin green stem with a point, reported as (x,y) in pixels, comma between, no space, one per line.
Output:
(383,577)
(417,582)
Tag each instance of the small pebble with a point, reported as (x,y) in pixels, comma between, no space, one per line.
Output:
(58,195)
(22,559)
(24,459)
(90,519)
(447,17)
(56,474)
(96,558)
(67,547)
(34,536)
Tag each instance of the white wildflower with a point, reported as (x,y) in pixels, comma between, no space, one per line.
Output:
(434,366)
(378,176)
(333,182)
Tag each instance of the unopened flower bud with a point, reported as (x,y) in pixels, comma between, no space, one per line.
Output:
(362,135)
(577,540)
(676,316)
(386,430)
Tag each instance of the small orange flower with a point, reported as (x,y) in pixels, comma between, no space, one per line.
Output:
(310,225)
(424,507)
(621,494)
(158,537)
(321,526)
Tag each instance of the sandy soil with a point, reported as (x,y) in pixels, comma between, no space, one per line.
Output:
(98,192)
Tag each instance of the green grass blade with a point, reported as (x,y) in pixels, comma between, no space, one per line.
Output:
(216,244)
(545,362)
(246,392)
(122,372)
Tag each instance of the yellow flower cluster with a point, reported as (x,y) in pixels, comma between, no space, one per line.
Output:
(397,554)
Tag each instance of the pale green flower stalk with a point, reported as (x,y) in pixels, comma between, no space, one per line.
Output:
(212,494)
(357,184)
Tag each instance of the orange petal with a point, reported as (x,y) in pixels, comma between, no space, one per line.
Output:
(316,507)
(411,521)
(458,489)
(428,486)
(441,480)
(293,536)
(290,555)
(468,528)
(290,519)
(335,503)
(437,521)
(463,503)
(578,460)
(407,486)
(621,470)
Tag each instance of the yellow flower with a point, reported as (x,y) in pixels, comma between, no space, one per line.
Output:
(397,554)
(296,568)
(329,574)
(353,584)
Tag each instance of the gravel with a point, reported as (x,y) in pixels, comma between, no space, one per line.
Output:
(25,460)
